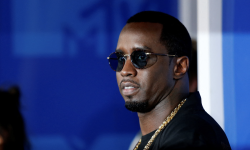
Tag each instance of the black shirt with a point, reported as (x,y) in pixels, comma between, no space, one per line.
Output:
(191,128)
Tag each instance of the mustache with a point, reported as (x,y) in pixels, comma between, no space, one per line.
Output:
(128,80)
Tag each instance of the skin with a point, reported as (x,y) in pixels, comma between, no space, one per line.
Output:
(163,85)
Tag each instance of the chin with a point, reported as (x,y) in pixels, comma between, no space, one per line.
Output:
(137,106)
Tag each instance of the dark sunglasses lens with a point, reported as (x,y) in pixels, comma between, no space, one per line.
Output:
(139,59)
(116,61)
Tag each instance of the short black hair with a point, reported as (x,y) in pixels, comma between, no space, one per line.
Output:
(174,35)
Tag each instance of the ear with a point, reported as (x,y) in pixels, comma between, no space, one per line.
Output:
(181,67)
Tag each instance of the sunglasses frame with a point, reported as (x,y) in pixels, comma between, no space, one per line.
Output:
(129,55)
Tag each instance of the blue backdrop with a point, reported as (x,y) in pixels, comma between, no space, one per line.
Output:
(236,52)
(56,51)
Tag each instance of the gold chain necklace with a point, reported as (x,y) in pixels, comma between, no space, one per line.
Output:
(162,126)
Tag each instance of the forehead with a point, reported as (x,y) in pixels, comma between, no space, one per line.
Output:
(140,34)
(146,27)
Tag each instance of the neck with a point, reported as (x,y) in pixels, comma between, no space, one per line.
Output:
(150,121)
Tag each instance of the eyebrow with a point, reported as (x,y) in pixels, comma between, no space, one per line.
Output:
(143,48)
(119,50)
(138,47)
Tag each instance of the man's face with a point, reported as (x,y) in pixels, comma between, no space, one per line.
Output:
(143,89)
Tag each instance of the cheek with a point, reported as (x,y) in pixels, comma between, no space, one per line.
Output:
(155,80)
(149,81)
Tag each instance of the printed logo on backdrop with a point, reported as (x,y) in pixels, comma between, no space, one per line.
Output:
(51,30)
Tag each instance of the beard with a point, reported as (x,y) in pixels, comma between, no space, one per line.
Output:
(136,106)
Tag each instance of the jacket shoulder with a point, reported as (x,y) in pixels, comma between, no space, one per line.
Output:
(194,130)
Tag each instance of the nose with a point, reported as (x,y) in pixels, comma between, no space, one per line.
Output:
(128,68)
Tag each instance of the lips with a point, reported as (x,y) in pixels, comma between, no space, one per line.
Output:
(129,87)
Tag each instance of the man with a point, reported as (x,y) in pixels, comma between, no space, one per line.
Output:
(151,63)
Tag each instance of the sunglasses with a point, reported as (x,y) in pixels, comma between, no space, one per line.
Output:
(139,58)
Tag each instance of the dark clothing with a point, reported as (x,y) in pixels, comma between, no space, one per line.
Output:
(191,128)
